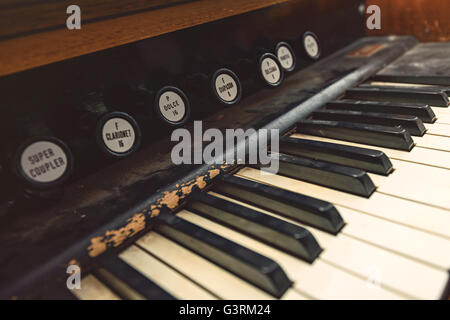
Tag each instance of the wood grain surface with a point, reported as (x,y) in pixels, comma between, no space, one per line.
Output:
(22,53)
(23,16)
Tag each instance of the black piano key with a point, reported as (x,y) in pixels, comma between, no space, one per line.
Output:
(439,99)
(249,265)
(422,111)
(308,210)
(366,159)
(121,277)
(389,137)
(278,233)
(326,174)
(414,79)
(409,88)
(412,124)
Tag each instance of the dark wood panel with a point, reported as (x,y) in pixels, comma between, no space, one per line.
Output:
(15,3)
(428,20)
(22,53)
(20,18)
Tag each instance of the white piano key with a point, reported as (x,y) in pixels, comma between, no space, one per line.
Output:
(319,280)
(377,179)
(409,181)
(421,246)
(216,279)
(439,111)
(416,215)
(443,120)
(94,289)
(438,129)
(396,272)
(431,141)
(436,158)
(424,247)
(167,278)
(291,294)
(417,182)
(442,115)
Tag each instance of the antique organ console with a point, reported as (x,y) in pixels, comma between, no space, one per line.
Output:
(359,206)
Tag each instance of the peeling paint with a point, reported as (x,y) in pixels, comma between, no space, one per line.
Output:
(73,262)
(201,182)
(154,213)
(170,199)
(214,173)
(97,247)
(116,237)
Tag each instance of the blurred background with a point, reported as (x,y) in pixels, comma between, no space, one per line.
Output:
(428,20)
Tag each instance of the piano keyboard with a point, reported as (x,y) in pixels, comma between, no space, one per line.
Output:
(358,210)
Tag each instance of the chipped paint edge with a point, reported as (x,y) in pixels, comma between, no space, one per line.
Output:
(138,222)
